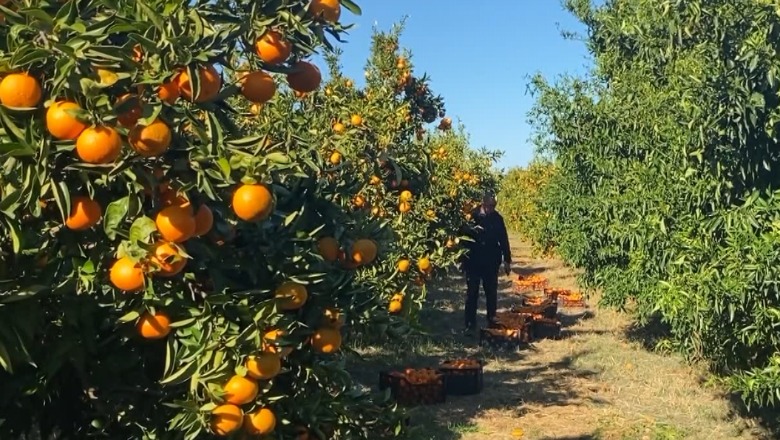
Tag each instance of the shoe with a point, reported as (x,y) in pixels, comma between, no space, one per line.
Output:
(469,331)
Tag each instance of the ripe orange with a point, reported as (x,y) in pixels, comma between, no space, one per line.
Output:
(169,92)
(326,340)
(210,84)
(424,265)
(258,86)
(175,223)
(375,180)
(356,120)
(61,124)
(240,390)
(127,275)
(273,48)
(328,247)
(328,10)
(20,90)
(305,78)
(364,251)
(98,145)
(264,366)
(226,419)
(359,201)
(129,117)
(333,318)
(406,196)
(84,213)
(260,422)
(404,207)
(404,265)
(154,326)
(335,158)
(395,306)
(150,140)
(167,259)
(339,128)
(253,202)
(204,221)
(292,295)
(272,347)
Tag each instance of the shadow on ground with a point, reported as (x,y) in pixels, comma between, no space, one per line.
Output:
(512,380)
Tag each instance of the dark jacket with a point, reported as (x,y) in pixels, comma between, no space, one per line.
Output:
(490,243)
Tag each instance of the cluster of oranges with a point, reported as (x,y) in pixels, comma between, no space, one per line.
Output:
(535,282)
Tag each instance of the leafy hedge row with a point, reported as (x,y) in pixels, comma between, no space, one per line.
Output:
(666,189)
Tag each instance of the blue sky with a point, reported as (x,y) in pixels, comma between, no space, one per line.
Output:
(479,56)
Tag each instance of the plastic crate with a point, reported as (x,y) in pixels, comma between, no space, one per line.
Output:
(548,310)
(407,393)
(463,380)
(505,339)
(546,328)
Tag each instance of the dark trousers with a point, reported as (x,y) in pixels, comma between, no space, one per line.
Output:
(488,277)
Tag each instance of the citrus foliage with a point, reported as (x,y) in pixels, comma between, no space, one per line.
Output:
(666,183)
(189,237)
(521,197)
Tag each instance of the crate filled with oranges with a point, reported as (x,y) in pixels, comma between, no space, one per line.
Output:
(415,386)
(545,328)
(566,297)
(463,376)
(509,331)
(547,309)
(527,283)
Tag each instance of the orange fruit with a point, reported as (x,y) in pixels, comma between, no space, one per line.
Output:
(328,10)
(404,207)
(204,221)
(395,306)
(292,295)
(403,265)
(333,318)
(154,326)
(226,419)
(253,202)
(98,145)
(335,158)
(84,213)
(264,366)
(424,265)
(305,78)
(61,124)
(240,390)
(167,259)
(125,274)
(129,117)
(375,180)
(272,48)
(272,347)
(328,247)
(260,422)
(258,86)
(356,120)
(210,84)
(364,251)
(169,92)
(339,128)
(406,196)
(175,223)
(150,140)
(20,90)
(326,340)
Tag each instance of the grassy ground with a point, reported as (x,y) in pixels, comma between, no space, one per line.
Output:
(594,383)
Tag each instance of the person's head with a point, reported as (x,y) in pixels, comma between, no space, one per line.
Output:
(489,202)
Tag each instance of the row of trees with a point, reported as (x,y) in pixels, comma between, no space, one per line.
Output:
(665,183)
(193,223)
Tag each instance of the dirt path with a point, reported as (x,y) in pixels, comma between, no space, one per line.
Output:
(591,384)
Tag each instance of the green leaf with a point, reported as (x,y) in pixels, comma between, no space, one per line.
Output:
(115,214)
(352,7)
(181,375)
(142,229)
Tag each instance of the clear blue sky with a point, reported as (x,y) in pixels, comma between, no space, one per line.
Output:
(479,56)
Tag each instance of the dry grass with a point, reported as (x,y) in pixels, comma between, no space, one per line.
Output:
(591,384)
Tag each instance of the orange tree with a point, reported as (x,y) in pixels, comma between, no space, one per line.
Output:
(162,270)
(521,197)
